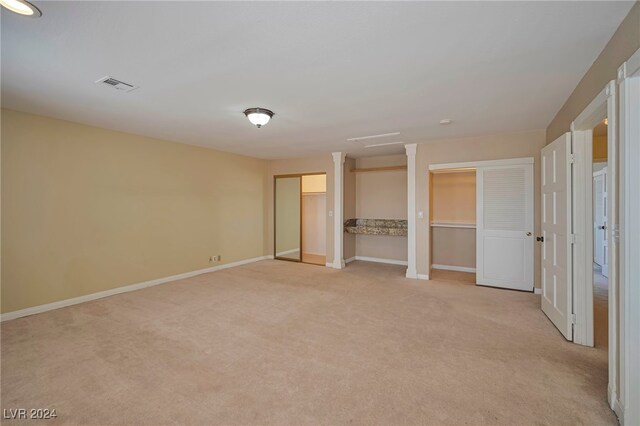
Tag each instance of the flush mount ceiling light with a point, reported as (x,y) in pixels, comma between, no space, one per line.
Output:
(445,121)
(258,116)
(21,7)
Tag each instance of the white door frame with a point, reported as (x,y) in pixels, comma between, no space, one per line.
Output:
(595,175)
(602,106)
(627,408)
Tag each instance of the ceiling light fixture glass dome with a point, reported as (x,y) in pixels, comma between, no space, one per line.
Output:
(21,7)
(258,116)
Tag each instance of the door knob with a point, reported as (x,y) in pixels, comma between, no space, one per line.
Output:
(602,227)
(541,239)
(528,234)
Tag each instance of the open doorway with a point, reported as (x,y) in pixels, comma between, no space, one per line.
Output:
(593,224)
(600,243)
(299,218)
(314,223)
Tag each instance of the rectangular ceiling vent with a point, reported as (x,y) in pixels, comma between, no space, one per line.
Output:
(116,84)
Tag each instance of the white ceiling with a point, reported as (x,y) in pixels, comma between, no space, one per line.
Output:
(330,71)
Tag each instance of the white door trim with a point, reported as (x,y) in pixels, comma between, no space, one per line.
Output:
(629,80)
(603,105)
(582,218)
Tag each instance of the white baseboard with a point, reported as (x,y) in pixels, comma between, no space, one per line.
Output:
(423,277)
(618,408)
(380,260)
(349,260)
(282,253)
(537,290)
(453,268)
(125,289)
(611,397)
(333,265)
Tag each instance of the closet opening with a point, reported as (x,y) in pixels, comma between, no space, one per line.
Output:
(481,222)
(300,218)
(453,224)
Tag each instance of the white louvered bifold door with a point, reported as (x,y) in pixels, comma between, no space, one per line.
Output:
(504,229)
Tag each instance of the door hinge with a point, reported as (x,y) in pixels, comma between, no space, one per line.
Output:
(572,238)
(573,318)
(572,158)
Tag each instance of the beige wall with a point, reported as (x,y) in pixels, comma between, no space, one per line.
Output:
(382,247)
(381,195)
(622,45)
(600,152)
(453,197)
(453,246)
(316,164)
(514,145)
(87,209)
(314,183)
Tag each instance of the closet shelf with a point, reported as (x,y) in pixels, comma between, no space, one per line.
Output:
(394,227)
(452,225)
(378,169)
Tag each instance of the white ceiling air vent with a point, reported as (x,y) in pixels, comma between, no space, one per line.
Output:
(116,84)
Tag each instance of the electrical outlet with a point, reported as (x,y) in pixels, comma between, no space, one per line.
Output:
(215,258)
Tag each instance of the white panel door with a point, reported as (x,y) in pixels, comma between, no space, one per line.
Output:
(556,249)
(504,229)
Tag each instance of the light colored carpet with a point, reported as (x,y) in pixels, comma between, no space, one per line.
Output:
(285,343)
(462,277)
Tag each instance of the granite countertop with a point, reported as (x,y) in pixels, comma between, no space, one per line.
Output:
(395,227)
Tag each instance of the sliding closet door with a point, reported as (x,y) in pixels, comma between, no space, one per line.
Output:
(504,233)
(287,218)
